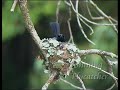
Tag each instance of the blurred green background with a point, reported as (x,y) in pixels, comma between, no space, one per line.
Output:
(20,68)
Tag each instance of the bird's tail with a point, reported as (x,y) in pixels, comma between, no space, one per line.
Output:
(55,28)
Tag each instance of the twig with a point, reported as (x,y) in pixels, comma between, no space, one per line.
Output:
(83,19)
(57,10)
(99,69)
(30,26)
(71,36)
(111,87)
(104,15)
(69,26)
(94,18)
(14,5)
(80,24)
(80,80)
(99,52)
(94,23)
(109,68)
(108,17)
(87,26)
(50,80)
(108,63)
(71,84)
(114,27)
(67,3)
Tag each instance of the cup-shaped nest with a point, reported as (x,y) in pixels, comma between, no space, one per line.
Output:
(62,56)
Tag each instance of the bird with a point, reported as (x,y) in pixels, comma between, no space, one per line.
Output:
(55,27)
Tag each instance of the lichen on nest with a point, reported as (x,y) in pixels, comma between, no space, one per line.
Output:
(62,56)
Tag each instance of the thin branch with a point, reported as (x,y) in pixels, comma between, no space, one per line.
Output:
(99,69)
(57,10)
(99,52)
(108,63)
(14,5)
(109,18)
(29,25)
(69,26)
(83,19)
(111,87)
(94,23)
(92,31)
(81,28)
(109,68)
(71,84)
(94,18)
(114,27)
(80,80)
(50,80)
(71,36)
(67,3)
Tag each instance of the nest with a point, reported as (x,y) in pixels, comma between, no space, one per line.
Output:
(62,57)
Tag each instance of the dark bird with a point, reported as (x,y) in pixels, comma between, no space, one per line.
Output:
(56,31)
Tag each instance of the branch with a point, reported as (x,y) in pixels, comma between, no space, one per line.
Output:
(109,68)
(92,17)
(108,63)
(14,5)
(57,10)
(100,70)
(80,80)
(99,52)
(80,26)
(108,17)
(50,80)
(29,24)
(71,84)
(111,87)
(87,26)
(69,26)
(81,16)
(85,20)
